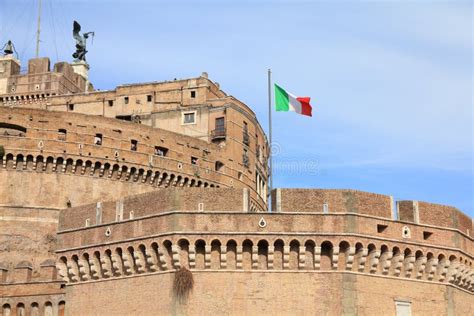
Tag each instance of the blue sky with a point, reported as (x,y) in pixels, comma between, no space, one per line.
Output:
(390,81)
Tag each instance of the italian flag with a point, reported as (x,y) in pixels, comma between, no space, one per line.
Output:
(285,102)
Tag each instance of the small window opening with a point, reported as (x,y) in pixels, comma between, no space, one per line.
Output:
(189,118)
(246,138)
(219,166)
(240,176)
(194,160)
(381,228)
(406,232)
(124,117)
(245,159)
(427,235)
(161,151)
(193,94)
(133,145)
(126,100)
(71,107)
(62,134)
(325,208)
(98,139)
(403,308)
(149,98)
(111,102)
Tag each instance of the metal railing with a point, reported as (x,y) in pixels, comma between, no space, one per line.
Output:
(218,133)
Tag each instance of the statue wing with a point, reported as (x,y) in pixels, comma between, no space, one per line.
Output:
(75,31)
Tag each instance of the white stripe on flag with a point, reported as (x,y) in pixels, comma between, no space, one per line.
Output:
(295,105)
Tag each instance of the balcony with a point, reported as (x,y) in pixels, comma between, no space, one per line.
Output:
(218,134)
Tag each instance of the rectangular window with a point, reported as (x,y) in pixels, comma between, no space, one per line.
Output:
(381,228)
(161,151)
(403,308)
(427,235)
(246,138)
(126,100)
(220,123)
(193,94)
(124,117)
(133,145)
(111,102)
(194,160)
(71,107)
(62,134)
(189,118)
(325,208)
(149,98)
(245,159)
(98,139)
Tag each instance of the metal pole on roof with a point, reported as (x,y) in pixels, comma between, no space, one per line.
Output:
(38,32)
(270,170)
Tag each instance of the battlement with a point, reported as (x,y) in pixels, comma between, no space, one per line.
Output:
(331,200)
(372,204)
(154,203)
(435,214)
(39,82)
(26,272)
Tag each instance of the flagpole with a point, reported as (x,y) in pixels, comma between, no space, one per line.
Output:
(38,31)
(270,172)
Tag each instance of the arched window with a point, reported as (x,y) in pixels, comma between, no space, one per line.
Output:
(20,309)
(62,308)
(6,310)
(326,255)
(262,255)
(35,309)
(48,309)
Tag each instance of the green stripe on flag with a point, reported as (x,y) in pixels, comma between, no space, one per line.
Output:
(281,99)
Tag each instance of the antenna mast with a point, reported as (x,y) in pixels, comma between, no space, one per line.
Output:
(39,30)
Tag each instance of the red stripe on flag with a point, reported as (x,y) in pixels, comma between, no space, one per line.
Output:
(306,108)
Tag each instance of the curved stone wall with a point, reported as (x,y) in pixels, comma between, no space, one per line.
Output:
(335,253)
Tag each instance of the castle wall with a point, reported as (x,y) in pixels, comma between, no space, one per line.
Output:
(39,84)
(75,148)
(160,201)
(313,200)
(352,201)
(217,223)
(332,263)
(278,293)
(105,195)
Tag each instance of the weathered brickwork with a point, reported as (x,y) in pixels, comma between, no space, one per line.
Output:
(105,195)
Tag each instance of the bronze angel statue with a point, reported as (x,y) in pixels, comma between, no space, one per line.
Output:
(80,53)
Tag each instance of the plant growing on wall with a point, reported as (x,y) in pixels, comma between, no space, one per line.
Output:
(183,283)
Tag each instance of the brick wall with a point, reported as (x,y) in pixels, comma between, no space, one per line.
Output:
(157,202)
(312,200)
(244,293)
